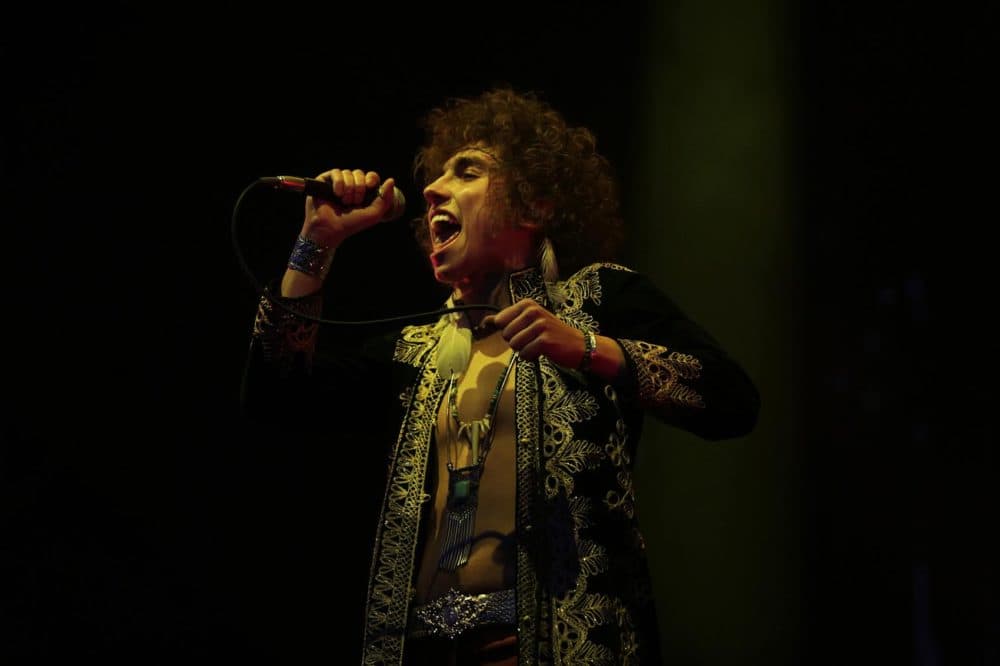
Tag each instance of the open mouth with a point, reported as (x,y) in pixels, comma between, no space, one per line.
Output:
(444,230)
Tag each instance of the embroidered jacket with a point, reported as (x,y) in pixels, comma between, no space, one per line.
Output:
(583,591)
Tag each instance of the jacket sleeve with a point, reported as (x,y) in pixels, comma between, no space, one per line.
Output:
(296,369)
(675,369)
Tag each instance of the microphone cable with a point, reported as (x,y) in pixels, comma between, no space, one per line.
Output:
(262,290)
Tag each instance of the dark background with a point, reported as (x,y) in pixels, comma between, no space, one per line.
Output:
(142,518)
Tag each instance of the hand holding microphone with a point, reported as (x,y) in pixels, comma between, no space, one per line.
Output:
(339,204)
(343,202)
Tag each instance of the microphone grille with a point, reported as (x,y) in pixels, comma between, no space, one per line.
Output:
(398,206)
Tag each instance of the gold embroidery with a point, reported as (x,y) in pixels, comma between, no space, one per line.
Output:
(554,620)
(569,407)
(579,610)
(531,625)
(579,511)
(571,458)
(578,613)
(282,334)
(569,296)
(416,341)
(629,648)
(576,559)
(660,372)
(593,559)
(585,284)
(617,452)
(301,336)
(591,653)
(405,396)
(527,284)
(582,285)
(565,455)
(392,565)
(624,499)
(586,610)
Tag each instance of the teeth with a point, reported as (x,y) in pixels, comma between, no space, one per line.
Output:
(445,228)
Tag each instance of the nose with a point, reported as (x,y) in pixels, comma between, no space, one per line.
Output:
(436,193)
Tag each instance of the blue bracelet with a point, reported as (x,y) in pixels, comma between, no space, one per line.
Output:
(311,258)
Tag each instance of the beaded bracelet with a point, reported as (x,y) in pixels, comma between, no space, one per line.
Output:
(311,258)
(589,350)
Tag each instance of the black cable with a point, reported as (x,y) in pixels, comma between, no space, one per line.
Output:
(262,290)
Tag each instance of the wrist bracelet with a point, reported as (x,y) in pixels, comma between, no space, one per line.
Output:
(589,350)
(311,258)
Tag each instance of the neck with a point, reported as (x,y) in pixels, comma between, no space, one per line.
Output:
(491,290)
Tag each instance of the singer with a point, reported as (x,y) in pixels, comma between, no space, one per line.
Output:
(508,531)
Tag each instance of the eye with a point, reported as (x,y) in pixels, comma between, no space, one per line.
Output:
(468,174)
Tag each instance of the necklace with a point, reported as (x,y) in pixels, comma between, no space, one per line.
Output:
(463,482)
(480,331)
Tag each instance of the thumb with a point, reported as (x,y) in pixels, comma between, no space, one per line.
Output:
(386,198)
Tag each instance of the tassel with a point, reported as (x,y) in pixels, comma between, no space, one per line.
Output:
(460,516)
(547,261)
(453,351)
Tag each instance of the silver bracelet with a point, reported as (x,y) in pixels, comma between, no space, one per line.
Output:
(589,350)
(311,258)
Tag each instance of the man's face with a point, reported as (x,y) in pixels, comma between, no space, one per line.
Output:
(472,239)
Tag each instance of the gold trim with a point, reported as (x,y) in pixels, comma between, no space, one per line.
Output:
(526,420)
(399,524)
(660,371)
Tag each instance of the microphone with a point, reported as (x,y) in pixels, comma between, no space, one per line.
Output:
(324,190)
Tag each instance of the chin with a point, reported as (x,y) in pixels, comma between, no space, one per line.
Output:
(445,274)
(449,268)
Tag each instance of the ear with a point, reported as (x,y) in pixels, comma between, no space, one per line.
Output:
(540,211)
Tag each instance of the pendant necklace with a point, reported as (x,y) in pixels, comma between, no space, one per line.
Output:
(463,483)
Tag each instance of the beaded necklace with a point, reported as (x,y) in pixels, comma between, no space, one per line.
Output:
(463,482)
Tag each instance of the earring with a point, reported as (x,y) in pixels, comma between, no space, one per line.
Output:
(547,261)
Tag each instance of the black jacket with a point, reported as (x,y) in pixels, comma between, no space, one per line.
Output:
(583,589)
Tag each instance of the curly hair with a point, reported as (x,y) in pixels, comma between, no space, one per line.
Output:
(541,159)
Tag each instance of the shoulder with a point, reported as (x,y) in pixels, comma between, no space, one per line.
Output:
(593,282)
(583,295)
(598,269)
(610,289)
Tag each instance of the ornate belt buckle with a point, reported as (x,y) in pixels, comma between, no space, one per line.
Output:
(452,613)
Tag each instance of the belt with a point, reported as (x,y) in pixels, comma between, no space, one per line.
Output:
(454,613)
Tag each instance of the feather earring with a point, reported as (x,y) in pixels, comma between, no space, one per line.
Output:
(547,261)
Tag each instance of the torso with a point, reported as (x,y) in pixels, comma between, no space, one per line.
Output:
(491,560)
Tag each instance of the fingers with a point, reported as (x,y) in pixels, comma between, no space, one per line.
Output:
(508,314)
(533,331)
(530,341)
(519,318)
(350,185)
(523,326)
